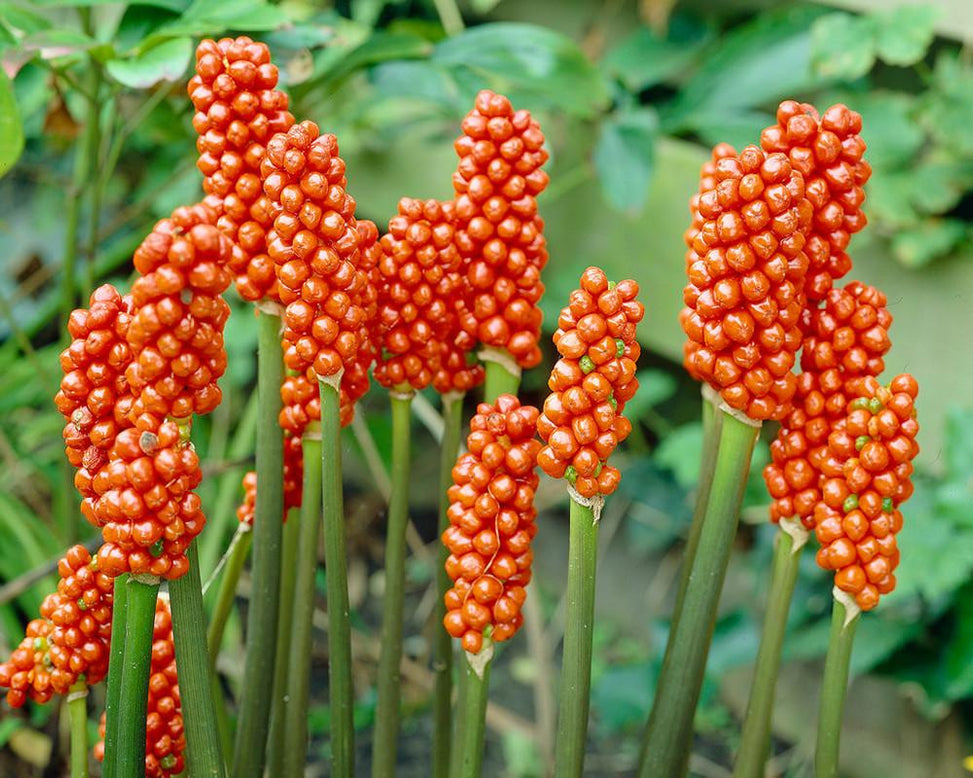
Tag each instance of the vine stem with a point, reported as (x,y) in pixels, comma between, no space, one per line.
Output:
(755,741)
(129,731)
(78,714)
(261,644)
(474,710)
(230,578)
(203,748)
(390,657)
(572,728)
(288,579)
(116,658)
(443,650)
(340,679)
(668,736)
(834,689)
(300,636)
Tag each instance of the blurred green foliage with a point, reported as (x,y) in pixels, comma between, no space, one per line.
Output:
(630,95)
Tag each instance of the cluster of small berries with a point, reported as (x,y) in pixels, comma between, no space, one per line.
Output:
(70,642)
(491,517)
(582,421)
(238,109)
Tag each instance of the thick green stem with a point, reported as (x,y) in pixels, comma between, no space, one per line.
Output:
(450,16)
(390,657)
(499,379)
(116,658)
(474,710)
(572,724)
(340,686)
(251,736)
(833,691)
(239,550)
(668,736)
(129,731)
(442,717)
(78,713)
(288,577)
(756,727)
(712,423)
(203,748)
(296,682)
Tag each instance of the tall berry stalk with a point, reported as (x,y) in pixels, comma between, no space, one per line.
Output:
(77,700)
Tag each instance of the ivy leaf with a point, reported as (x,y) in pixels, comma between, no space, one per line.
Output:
(843,45)
(624,156)
(528,63)
(932,239)
(11,129)
(166,61)
(903,36)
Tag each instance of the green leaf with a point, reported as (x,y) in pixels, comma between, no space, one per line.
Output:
(932,239)
(483,6)
(621,696)
(904,34)
(937,557)
(739,128)
(140,23)
(756,63)
(948,112)
(22,19)
(53,43)
(843,45)
(957,664)
(166,61)
(643,59)
(416,80)
(528,63)
(379,47)
(680,451)
(888,127)
(214,17)
(11,129)
(958,443)
(624,156)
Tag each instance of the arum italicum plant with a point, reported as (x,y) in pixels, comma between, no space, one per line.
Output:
(450,281)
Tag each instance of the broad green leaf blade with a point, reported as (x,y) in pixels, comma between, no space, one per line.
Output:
(11,129)
(528,63)
(843,45)
(903,35)
(167,61)
(756,63)
(624,155)
(888,127)
(931,239)
(643,59)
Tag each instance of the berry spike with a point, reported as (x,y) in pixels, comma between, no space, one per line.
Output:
(858,518)
(846,342)
(491,516)
(746,271)
(582,422)
(498,230)
(238,109)
(828,151)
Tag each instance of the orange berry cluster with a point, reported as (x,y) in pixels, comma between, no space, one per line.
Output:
(70,642)
(176,332)
(845,344)
(582,421)
(316,249)
(746,271)
(165,740)
(417,279)
(498,230)
(94,396)
(827,151)
(491,517)
(858,517)
(146,506)
(238,110)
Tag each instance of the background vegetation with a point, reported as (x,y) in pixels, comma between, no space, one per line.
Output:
(96,144)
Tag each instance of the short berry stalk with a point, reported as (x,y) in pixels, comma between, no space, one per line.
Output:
(443,651)
(389,692)
(78,714)
(336,569)
(671,722)
(755,741)
(129,729)
(203,748)
(834,689)
(297,650)
(261,644)
(116,659)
